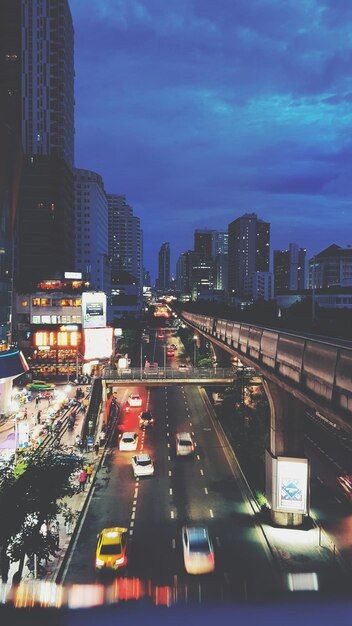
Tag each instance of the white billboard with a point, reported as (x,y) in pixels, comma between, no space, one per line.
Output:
(93,309)
(292,485)
(98,343)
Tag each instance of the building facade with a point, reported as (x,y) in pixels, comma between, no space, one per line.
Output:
(91,230)
(289,269)
(331,268)
(164,267)
(45,234)
(249,250)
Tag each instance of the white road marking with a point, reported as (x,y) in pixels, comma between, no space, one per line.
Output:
(168,445)
(133,515)
(198,457)
(130,532)
(136,492)
(211,512)
(131,524)
(170,491)
(201,471)
(206,490)
(174,543)
(170,472)
(133,507)
(168,434)
(172,515)
(169,458)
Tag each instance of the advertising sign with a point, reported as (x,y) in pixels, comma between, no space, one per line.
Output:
(98,343)
(23,435)
(93,309)
(292,485)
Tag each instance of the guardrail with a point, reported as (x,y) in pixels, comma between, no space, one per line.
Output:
(168,373)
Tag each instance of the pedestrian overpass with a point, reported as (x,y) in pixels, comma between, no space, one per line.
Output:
(169,376)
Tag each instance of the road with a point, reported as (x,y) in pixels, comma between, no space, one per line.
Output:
(203,489)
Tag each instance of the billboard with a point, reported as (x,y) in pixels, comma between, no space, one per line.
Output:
(292,485)
(98,343)
(93,309)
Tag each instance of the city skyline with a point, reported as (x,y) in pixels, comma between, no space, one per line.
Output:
(199,113)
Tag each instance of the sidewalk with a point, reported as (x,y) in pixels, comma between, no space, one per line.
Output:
(76,502)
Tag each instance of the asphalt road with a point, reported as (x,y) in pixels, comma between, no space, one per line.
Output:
(204,489)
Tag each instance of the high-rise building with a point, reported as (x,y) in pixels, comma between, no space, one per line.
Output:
(331,268)
(10,155)
(45,238)
(203,244)
(249,247)
(164,267)
(184,272)
(91,233)
(221,259)
(125,238)
(289,269)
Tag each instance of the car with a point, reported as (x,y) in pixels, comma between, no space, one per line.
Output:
(134,399)
(198,552)
(184,444)
(128,441)
(146,419)
(142,465)
(184,367)
(111,549)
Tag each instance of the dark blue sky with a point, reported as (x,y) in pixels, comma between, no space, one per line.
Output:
(201,110)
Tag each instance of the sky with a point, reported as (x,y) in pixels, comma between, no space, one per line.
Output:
(199,111)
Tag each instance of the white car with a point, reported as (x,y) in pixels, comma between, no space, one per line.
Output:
(128,441)
(134,399)
(198,552)
(184,444)
(142,465)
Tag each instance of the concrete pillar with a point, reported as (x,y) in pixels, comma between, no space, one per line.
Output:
(5,395)
(286,440)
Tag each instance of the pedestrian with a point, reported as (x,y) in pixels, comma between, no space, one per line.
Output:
(89,471)
(25,414)
(102,438)
(68,527)
(38,417)
(82,479)
(96,449)
(37,401)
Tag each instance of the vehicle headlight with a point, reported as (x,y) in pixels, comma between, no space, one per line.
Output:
(99,562)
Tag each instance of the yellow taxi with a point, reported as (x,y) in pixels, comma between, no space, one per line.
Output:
(111,549)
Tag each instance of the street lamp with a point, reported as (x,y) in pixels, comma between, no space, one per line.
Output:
(195,350)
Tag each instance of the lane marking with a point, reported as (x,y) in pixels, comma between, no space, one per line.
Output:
(170,472)
(205,490)
(172,515)
(131,523)
(136,492)
(174,543)
(211,513)
(198,457)
(202,473)
(133,515)
(168,445)
(130,532)
(170,491)
(169,458)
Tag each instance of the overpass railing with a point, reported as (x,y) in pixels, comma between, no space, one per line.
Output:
(168,373)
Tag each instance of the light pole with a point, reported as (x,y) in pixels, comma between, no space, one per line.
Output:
(195,351)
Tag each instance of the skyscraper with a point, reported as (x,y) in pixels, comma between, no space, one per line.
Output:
(10,154)
(289,269)
(125,242)
(249,243)
(45,243)
(164,267)
(91,233)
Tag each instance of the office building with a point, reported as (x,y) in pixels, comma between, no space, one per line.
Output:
(289,269)
(260,286)
(331,268)
(164,267)
(125,246)
(45,236)
(184,267)
(221,259)
(249,247)
(91,232)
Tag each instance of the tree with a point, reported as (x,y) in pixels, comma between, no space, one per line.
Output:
(31,499)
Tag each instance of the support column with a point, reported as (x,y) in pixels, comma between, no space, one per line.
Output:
(286,451)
